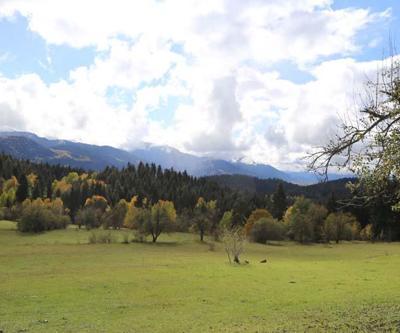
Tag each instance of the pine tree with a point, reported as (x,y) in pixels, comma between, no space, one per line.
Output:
(49,189)
(279,203)
(23,189)
(331,205)
(36,192)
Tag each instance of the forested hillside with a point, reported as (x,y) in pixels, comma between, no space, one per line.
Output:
(145,181)
(320,192)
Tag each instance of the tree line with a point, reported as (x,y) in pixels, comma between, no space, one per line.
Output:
(151,200)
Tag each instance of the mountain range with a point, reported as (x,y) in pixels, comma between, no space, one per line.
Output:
(25,145)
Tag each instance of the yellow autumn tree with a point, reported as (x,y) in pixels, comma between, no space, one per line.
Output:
(131,213)
(255,215)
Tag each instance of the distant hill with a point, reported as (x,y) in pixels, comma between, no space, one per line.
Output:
(27,145)
(319,192)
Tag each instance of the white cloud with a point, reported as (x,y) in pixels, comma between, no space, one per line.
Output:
(218,54)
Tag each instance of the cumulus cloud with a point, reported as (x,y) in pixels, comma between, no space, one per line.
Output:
(223,112)
(219,58)
(10,119)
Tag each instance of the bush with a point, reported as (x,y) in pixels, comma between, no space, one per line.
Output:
(125,238)
(114,218)
(266,229)
(39,215)
(138,236)
(88,217)
(255,215)
(101,237)
(367,233)
(234,241)
(183,220)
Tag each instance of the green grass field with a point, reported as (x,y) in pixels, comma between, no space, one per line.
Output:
(57,282)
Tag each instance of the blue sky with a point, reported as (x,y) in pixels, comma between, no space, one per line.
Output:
(223,78)
(28,52)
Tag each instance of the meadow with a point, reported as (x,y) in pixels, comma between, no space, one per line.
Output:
(58,282)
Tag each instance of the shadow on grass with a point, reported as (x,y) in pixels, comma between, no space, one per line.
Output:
(274,244)
(158,243)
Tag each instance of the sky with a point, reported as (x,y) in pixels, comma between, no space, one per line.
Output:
(261,80)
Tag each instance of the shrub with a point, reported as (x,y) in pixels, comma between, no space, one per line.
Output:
(255,215)
(234,240)
(101,237)
(114,218)
(138,236)
(39,215)
(184,220)
(211,246)
(355,230)
(125,238)
(266,229)
(92,238)
(97,202)
(34,219)
(88,217)
(105,237)
(367,233)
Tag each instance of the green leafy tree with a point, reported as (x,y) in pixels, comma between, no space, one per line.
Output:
(298,220)
(317,215)
(369,144)
(204,216)
(88,217)
(163,217)
(255,215)
(266,229)
(153,220)
(8,193)
(340,226)
(115,217)
(226,220)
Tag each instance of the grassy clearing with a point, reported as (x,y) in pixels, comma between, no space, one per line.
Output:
(57,282)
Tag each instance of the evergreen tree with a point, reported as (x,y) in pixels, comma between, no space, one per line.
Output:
(36,192)
(331,205)
(279,203)
(49,189)
(23,189)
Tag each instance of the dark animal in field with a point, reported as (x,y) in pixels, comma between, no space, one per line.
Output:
(263,261)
